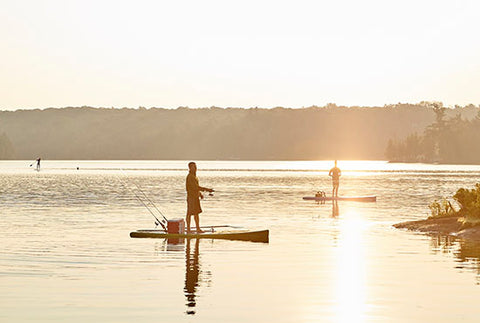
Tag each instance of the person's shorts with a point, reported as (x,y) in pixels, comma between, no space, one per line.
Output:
(193,205)
(336,183)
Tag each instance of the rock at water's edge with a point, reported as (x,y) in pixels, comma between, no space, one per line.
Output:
(452,225)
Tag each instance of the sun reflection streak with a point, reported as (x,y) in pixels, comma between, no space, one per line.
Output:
(350,287)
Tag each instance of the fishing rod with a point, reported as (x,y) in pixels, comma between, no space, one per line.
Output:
(150,201)
(162,222)
(157,221)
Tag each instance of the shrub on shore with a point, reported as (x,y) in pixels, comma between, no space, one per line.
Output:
(467,199)
(442,208)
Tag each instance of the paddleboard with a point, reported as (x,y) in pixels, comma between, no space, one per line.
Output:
(370,198)
(242,235)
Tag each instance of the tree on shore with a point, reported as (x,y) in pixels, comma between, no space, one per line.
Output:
(452,140)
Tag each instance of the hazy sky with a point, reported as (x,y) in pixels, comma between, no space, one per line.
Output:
(237,53)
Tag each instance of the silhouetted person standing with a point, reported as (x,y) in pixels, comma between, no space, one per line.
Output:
(335,172)
(38,164)
(193,196)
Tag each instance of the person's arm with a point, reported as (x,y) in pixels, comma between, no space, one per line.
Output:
(205,189)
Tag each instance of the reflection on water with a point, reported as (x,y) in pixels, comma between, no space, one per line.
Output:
(466,252)
(335,209)
(469,250)
(468,256)
(192,270)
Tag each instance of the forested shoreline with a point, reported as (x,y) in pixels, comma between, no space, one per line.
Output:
(448,140)
(313,133)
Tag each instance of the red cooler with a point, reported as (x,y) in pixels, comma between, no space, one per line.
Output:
(176,226)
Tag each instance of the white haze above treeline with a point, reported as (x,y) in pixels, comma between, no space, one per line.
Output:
(57,53)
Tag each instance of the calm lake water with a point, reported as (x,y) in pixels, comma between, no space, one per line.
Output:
(66,254)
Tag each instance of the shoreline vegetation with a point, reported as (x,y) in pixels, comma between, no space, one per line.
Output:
(446,141)
(422,132)
(462,220)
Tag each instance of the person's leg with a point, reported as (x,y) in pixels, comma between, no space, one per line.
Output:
(188,219)
(197,222)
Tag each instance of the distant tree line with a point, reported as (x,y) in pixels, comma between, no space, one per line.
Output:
(451,140)
(313,133)
(6,148)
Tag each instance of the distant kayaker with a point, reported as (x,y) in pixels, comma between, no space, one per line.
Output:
(194,194)
(38,164)
(335,172)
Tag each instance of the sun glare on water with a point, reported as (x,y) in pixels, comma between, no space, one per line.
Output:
(351,285)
